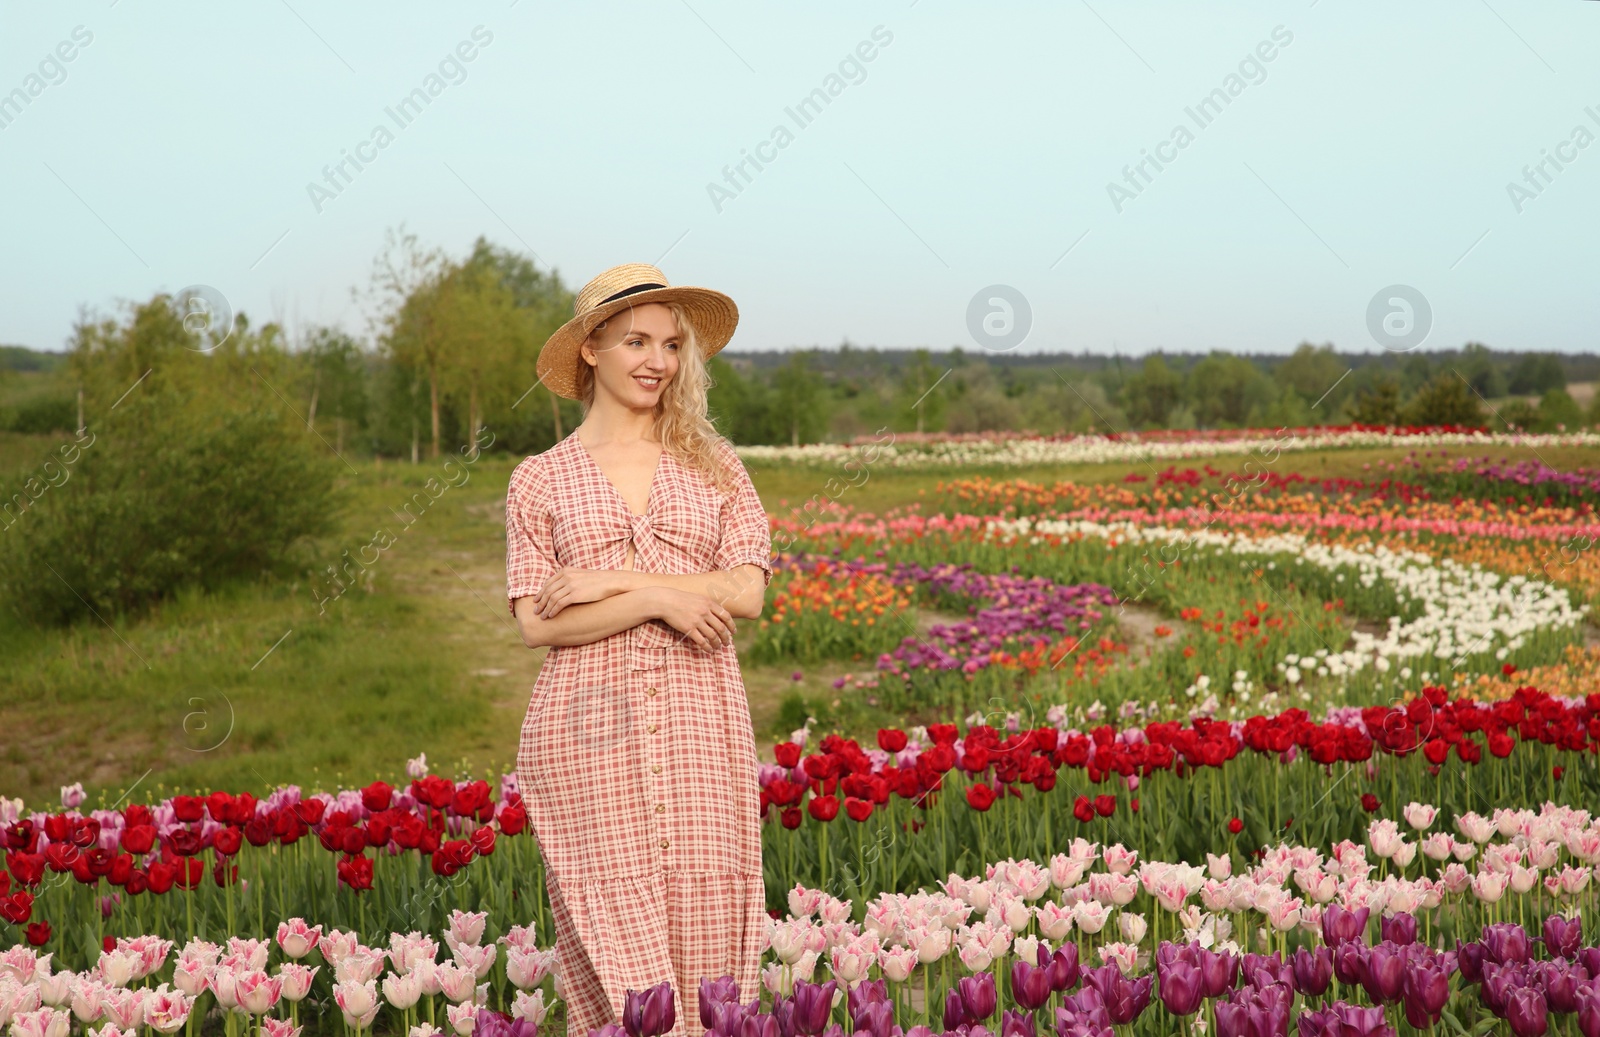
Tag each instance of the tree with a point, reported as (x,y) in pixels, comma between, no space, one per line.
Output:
(1447,400)
(486,342)
(1224,389)
(336,371)
(1150,396)
(1317,375)
(797,398)
(1557,412)
(404,285)
(922,391)
(545,302)
(1536,373)
(1377,403)
(1478,367)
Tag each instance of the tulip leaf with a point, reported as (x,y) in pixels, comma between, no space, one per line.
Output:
(1485,1026)
(1455,1024)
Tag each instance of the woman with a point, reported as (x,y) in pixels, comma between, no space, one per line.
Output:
(632,546)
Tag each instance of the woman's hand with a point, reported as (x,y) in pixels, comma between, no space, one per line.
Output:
(570,586)
(697,617)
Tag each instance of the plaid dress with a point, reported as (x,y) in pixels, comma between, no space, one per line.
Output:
(637,757)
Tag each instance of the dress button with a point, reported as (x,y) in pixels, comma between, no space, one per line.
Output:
(661,808)
(655,768)
(651,729)
(663,844)
(651,692)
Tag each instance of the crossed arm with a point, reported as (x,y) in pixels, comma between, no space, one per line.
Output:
(580,606)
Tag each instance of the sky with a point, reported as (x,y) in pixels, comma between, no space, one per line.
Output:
(968,180)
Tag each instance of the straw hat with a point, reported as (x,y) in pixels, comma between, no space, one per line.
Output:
(713,314)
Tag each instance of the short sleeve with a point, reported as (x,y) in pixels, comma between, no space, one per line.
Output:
(530,545)
(746,531)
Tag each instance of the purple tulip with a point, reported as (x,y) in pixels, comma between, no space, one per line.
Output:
(978,996)
(1469,959)
(1257,1011)
(875,1018)
(869,991)
(728,1017)
(1064,970)
(1124,998)
(1263,970)
(813,1004)
(758,1024)
(1560,983)
(920,1031)
(1344,1020)
(1562,937)
(1589,958)
(1426,991)
(489,1023)
(713,992)
(1349,961)
(955,1013)
(1498,983)
(1080,1019)
(1505,943)
(1527,1013)
(833,1030)
(649,1013)
(1399,928)
(1218,972)
(1017,1024)
(1310,971)
(1181,987)
(1030,984)
(1385,974)
(609,1030)
(1589,1011)
(1340,925)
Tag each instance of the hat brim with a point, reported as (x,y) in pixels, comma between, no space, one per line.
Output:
(714,315)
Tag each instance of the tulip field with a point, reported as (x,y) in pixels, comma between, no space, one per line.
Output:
(1221,744)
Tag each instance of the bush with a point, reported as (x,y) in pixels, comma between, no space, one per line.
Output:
(177,492)
(43,414)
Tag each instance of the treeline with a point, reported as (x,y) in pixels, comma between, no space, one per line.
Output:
(451,344)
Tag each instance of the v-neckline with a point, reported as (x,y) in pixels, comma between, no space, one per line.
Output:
(650,494)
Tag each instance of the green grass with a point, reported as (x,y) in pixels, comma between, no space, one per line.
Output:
(422,658)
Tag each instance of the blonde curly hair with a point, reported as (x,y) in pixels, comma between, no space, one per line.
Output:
(681,422)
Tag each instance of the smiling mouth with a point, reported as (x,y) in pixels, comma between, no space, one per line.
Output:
(648,383)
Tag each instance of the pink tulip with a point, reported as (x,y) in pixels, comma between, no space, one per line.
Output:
(257,992)
(251,951)
(527,969)
(298,939)
(271,1027)
(165,1011)
(478,960)
(402,991)
(44,1022)
(530,1007)
(125,1008)
(463,1017)
(85,999)
(467,926)
(357,1001)
(295,980)
(455,982)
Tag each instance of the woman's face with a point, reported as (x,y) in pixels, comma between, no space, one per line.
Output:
(635,355)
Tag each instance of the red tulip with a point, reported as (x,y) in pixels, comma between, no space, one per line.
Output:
(188,809)
(139,838)
(38,933)
(823,808)
(227,841)
(891,740)
(790,818)
(513,817)
(787,754)
(1105,806)
(1083,810)
(980,796)
(377,796)
(482,841)
(17,908)
(1235,826)
(1369,802)
(857,809)
(162,876)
